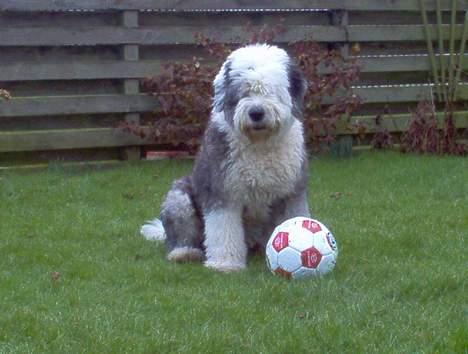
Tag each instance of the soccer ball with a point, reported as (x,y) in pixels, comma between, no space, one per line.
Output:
(301,247)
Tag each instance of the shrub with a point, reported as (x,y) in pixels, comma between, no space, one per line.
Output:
(329,75)
(382,138)
(184,92)
(424,136)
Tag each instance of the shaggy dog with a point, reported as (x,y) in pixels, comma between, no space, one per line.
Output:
(251,171)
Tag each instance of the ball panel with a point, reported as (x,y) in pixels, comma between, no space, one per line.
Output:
(321,243)
(283,273)
(294,221)
(271,258)
(300,239)
(281,241)
(312,225)
(303,272)
(289,259)
(332,242)
(327,264)
(311,258)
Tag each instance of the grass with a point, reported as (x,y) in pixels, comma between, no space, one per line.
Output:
(75,276)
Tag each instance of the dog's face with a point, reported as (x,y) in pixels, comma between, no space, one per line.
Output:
(260,90)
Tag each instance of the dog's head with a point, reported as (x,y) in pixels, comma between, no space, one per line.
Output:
(260,90)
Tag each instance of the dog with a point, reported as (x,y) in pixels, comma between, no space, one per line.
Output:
(251,172)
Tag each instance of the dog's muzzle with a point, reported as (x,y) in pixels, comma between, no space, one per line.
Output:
(258,123)
(257,118)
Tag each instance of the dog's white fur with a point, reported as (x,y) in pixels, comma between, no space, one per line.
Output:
(253,169)
(224,239)
(153,230)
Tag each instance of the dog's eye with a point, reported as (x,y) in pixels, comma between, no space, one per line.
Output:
(231,103)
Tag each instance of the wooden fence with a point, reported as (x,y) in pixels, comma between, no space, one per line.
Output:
(73,67)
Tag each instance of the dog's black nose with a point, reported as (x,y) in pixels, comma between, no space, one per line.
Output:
(256,114)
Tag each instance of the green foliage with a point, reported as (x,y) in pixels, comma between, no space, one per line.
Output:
(76,276)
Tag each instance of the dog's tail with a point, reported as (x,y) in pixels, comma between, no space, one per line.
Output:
(153,230)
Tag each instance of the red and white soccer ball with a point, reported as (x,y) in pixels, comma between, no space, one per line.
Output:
(301,247)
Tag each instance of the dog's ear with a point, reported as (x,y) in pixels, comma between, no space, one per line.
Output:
(220,85)
(297,85)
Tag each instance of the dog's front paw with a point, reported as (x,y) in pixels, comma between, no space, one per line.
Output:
(185,254)
(226,267)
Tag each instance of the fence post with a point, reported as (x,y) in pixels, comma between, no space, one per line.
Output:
(343,144)
(130,52)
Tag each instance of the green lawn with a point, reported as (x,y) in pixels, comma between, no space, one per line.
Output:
(76,276)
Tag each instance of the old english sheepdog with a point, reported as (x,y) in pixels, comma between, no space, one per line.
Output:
(251,171)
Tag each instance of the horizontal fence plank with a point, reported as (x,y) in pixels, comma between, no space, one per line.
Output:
(26,71)
(398,93)
(399,122)
(393,94)
(410,63)
(397,33)
(152,36)
(98,104)
(228,34)
(41,106)
(401,93)
(66,139)
(19,89)
(114,137)
(109,5)
(37,71)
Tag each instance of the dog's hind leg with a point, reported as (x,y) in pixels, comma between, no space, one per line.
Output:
(182,223)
